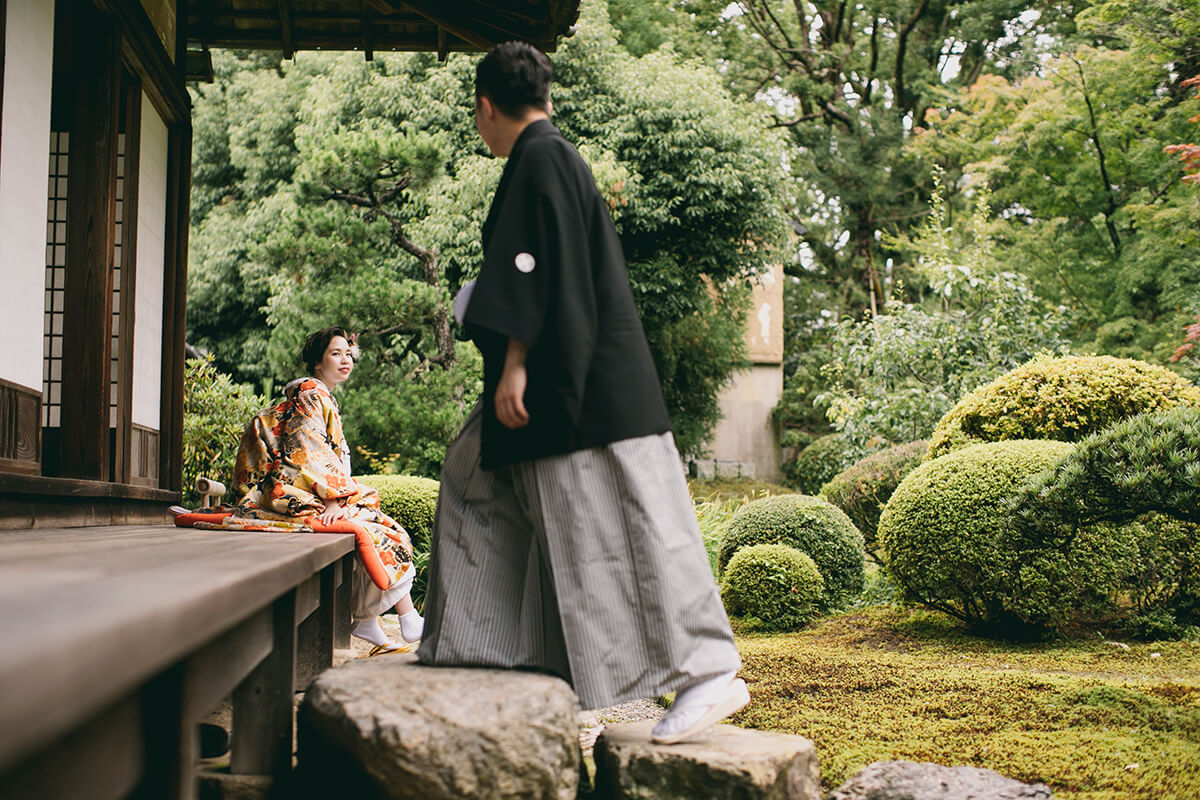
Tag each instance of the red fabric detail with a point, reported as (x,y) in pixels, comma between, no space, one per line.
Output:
(188,520)
(367,553)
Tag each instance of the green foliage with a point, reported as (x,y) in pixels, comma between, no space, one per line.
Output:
(408,499)
(821,460)
(282,245)
(215,412)
(411,501)
(1148,464)
(892,376)
(1093,211)
(1059,398)
(812,526)
(942,531)
(863,488)
(776,584)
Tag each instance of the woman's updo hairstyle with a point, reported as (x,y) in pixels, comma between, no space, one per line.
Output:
(317,343)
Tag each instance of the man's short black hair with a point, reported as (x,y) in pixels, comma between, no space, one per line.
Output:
(514,76)
(317,343)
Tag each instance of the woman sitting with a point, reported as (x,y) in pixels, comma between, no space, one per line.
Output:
(293,473)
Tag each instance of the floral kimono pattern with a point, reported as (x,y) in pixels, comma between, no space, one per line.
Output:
(293,457)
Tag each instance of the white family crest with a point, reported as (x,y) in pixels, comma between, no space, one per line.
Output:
(525,262)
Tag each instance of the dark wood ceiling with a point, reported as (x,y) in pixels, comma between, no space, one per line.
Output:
(440,26)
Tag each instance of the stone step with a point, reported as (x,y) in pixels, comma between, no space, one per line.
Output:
(388,727)
(726,762)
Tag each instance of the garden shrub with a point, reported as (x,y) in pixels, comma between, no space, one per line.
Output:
(817,463)
(776,584)
(1148,464)
(408,499)
(863,488)
(943,530)
(215,412)
(1059,398)
(813,526)
(411,501)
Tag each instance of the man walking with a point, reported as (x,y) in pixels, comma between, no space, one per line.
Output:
(565,537)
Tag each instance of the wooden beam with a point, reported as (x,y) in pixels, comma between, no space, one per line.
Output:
(366,32)
(91,212)
(438,16)
(285,28)
(3,17)
(131,88)
(174,330)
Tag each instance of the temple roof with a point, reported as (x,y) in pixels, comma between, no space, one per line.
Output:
(440,26)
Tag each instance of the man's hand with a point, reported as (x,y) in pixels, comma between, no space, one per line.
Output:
(510,391)
(332,513)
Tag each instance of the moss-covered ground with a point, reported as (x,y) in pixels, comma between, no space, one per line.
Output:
(1095,720)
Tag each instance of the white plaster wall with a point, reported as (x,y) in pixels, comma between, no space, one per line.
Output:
(747,433)
(24,160)
(148,292)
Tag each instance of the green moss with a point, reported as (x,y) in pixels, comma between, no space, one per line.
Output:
(1059,398)
(886,683)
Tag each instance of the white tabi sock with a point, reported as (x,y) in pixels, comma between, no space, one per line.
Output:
(370,630)
(412,625)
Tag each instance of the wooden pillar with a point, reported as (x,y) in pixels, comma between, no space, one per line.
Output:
(91,214)
(174,330)
(262,702)
(131,90)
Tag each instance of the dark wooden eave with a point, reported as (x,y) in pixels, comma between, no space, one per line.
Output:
(439,26)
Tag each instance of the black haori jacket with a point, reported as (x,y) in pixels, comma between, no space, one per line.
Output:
(554,278)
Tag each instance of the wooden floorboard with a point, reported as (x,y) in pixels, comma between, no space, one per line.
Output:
(87,614)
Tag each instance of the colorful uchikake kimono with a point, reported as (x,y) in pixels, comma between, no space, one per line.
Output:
(292,458)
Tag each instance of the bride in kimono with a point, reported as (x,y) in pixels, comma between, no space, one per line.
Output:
(293,473)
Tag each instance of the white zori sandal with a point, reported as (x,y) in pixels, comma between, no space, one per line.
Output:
(699,707)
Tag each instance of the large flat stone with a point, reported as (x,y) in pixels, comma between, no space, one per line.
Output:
(908,780)
(388,727)
(725,763)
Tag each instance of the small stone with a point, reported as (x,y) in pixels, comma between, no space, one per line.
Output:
(726,762)
(387,727)
(907,780)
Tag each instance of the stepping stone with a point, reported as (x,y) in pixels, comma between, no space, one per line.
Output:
(726,762)
(908,780)
(387,727)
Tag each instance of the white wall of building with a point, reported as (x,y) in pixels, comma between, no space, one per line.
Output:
(148,293)
(24,156)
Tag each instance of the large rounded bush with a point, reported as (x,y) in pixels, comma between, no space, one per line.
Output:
(774,583)
(1059,398)
(863,488)
(410,500)
(943,531)
(1144,470)
(823,458)
(813,526)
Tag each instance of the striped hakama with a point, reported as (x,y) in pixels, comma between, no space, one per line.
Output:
(588,565)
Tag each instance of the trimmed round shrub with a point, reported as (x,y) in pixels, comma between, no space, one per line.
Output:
(816,463)
(409,500)
(1059,398)
(943,530)
(863,488)
(776,584)
(813,526)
